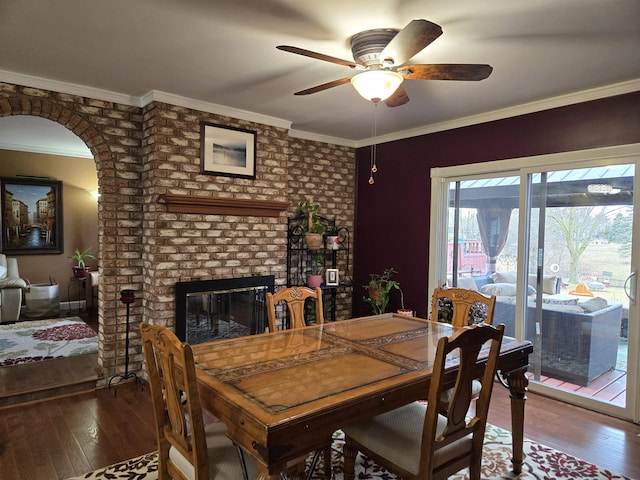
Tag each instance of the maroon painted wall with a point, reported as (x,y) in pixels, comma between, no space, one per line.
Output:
(393,214)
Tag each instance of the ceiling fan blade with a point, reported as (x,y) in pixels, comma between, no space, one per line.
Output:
(410,40)
(398,98)
(446,71)
(317,56)
(324,86)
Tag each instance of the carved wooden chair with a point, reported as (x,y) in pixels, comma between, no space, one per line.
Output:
(461,307)
(187,450)
(295,298)
(416,441)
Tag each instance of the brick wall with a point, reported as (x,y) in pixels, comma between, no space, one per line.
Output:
(143,153)
(326,173)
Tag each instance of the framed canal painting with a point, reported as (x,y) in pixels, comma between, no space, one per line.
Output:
(31,216)
(227,151)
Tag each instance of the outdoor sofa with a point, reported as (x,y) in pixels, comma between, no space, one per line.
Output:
(576,338)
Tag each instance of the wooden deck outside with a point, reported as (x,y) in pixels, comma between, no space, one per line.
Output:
(609,387)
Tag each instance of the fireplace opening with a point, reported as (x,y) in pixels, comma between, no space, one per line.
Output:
(208,310)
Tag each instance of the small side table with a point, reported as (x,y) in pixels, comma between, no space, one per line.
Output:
(76,292)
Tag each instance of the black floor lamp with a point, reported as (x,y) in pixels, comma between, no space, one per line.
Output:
(127,297)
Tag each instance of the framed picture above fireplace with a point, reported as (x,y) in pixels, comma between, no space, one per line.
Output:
(227,151)
(31,216)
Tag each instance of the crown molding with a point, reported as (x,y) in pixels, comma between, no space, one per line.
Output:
(63,152)
(345,142)
(170,98)
(142,101)
(523,109)
(68,88)
(155,95)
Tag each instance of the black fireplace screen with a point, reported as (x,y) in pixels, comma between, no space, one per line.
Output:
(208,310)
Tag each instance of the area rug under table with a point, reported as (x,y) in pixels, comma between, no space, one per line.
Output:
(37,340)
(541,463)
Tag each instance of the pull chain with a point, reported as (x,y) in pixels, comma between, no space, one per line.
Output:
(374,168)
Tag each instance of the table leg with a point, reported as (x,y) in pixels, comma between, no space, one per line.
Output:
(327,461)
(517,382)
(349,461)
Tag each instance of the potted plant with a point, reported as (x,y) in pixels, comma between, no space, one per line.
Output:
(379,289)
(332,240)
(402,310)
(315,270)
(314,227)
(80,269)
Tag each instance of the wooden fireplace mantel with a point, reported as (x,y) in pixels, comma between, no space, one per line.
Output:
(222,206)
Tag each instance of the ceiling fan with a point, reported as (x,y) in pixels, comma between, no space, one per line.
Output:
(381,55)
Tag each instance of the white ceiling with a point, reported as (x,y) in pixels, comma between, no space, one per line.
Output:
(39,135)
(220,56)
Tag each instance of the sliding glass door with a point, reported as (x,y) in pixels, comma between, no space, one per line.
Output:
(580,257)
(555,245)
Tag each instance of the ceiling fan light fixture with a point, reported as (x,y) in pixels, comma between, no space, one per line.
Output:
(377,85)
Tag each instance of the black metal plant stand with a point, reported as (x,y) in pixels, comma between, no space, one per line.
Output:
(127,297)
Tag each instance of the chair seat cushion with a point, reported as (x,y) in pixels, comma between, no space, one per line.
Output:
(397,437)
(224,461)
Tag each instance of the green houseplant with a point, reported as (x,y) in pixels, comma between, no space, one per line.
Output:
(315,269)
(80,269)
(314,228)
(379,288)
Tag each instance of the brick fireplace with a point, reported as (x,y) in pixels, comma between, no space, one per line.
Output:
(209,310)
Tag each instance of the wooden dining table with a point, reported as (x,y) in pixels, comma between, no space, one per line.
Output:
(283,394)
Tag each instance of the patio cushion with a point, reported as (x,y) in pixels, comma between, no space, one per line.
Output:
(593,304)
(499,289)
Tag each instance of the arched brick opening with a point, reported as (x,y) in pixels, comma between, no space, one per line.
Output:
(111,132)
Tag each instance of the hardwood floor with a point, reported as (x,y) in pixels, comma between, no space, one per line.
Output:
(64,437)
(608,442)
(68,436)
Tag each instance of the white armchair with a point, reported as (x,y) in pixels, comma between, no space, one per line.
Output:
(11,286)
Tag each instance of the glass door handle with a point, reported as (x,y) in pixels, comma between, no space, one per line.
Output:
(630,287)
